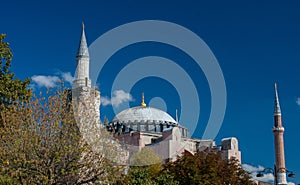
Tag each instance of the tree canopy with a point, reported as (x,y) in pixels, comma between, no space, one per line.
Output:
(41,143)
(202,168)
(11,88)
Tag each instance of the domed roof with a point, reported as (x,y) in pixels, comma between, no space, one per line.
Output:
(145,119)
(143,114)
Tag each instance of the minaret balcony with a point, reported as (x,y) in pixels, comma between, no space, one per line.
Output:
(280,129)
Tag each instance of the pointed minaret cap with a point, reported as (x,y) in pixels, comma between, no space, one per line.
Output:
(277,110)
(143,104)
(83,48)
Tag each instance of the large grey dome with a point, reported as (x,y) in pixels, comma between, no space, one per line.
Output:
(143,114)
(145,119)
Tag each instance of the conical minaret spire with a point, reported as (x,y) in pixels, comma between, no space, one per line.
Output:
(277,110)
(83,48)
(278,130)
(82,78)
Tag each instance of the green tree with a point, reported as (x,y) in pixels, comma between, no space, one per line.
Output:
(186,169)
(138,175)
(148,175)
(165,178)
(201,168)
(207,168)
(11,88)
(41,143)
(145,166)
(145,157)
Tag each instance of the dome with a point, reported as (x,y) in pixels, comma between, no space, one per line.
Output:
(143,114)
(145,119)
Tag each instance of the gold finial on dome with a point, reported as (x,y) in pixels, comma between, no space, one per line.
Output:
(143,104)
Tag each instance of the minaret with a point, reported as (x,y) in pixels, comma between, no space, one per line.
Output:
(82,78)
(82,91)
(278,131)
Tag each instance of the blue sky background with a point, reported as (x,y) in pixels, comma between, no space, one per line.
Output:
(256,44)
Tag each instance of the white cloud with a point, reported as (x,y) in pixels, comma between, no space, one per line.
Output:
(269,177)
(119,97)
(45,81)
(67,77)
(105,101)
(50,80)
(254,171)
(250,168)
(298,101)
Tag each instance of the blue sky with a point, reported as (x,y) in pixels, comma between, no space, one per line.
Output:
(256,44)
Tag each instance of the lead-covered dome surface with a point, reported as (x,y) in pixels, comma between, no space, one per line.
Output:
(143,114)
